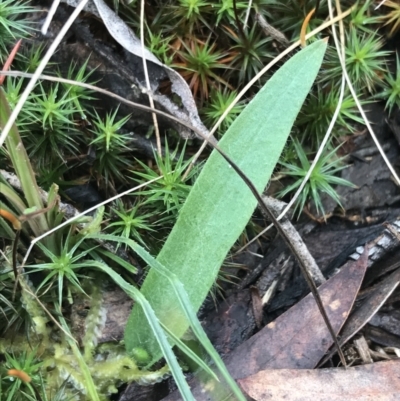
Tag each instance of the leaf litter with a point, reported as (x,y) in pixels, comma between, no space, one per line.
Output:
(372,382)
(299,338)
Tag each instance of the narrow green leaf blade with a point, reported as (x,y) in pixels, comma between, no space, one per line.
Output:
(187,308)
(220,204)
(155,328)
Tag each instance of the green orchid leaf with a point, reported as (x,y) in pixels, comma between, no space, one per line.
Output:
(220,204)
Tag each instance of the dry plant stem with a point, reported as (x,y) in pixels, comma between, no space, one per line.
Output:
(28,216)
(14,263)
(50,16)
(355,97)
(105,92)
(33,242)
(269,30)
(309,262)
(39,70)
(380,4)
(146,74)
(260,74)
(246,18)
(17,225)
(18,228)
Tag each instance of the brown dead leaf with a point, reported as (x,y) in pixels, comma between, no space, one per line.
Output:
(299,338)
(369,307)
(374,382)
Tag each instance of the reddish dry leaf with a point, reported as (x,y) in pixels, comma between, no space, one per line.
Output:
(10,59)
(374,382)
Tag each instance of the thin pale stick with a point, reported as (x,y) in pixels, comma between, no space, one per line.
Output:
(39,70)
(50,16)
(33,242)
(379,5)
(146,75)
(360,109)
(105,92)
(246,18)
(296,240)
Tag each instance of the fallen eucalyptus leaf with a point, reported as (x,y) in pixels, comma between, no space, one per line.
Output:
(372,382)
(368,309)
(297,339)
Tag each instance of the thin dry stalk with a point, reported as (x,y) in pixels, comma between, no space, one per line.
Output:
(246,18)
(146,74)
(105,92)
(380,4)
(39,70)
(50,16)
(69,221)
(355,97)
